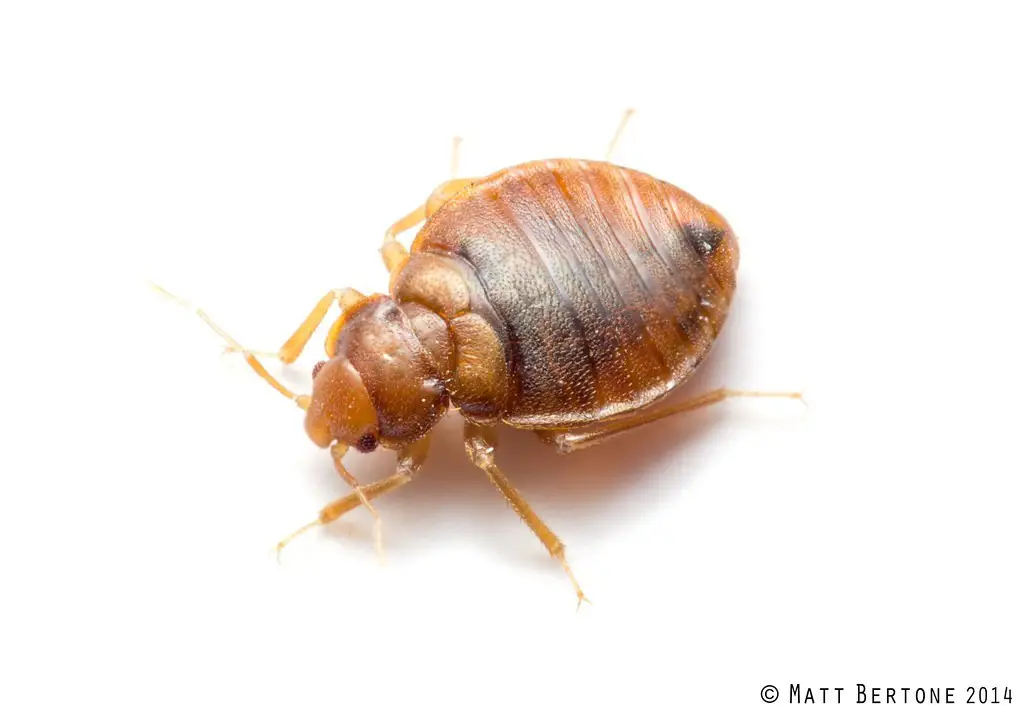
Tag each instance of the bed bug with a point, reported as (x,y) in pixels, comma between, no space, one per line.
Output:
(561,296)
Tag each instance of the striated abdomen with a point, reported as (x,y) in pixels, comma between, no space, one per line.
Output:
(607,286)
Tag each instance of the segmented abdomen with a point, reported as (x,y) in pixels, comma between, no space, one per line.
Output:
(609,285)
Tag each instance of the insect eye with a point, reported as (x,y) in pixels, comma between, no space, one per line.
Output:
(317,367)
(367,443)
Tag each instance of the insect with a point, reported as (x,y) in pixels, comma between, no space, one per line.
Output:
(564,296)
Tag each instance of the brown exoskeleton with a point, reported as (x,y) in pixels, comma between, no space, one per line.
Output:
(560,296)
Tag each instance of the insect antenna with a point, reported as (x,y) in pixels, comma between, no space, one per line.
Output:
(301,530)
(302,401)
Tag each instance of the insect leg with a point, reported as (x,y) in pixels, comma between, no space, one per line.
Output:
(337,451)
(456,150)
(618,133)
(293,347)
(479,445)
(393,252)
(570,441)
(410,461)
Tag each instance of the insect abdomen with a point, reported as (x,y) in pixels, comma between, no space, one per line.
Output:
(606,285)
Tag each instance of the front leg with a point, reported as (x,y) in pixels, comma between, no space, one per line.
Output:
(347,299)
(410,460)
(479,445)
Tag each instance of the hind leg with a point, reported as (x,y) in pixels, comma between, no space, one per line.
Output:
(618,133)
(572,440)
(395,254)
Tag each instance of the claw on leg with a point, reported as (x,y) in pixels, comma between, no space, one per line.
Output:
(578,589)
(479,446)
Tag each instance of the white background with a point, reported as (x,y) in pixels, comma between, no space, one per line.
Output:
(249,156)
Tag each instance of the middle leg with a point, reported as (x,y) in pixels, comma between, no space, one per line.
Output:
(393,252)
(479,445)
